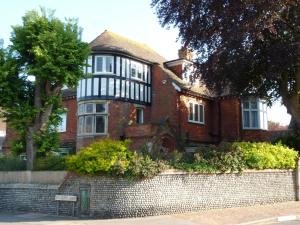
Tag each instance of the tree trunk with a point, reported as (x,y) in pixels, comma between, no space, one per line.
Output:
(30,149)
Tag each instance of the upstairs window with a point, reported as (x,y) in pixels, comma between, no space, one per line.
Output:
(104,64)
(196,113)
(139,115)
(136,71)
(92,118)
(254,113)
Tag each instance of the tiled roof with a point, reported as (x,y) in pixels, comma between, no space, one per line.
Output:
(109,41)
(68,93)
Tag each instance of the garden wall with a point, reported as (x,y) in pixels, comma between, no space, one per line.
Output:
(170,192)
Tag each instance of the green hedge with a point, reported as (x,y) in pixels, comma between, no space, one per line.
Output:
(238,156)
(11,163)
(113,158)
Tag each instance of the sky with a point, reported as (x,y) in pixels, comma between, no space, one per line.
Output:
(134,19)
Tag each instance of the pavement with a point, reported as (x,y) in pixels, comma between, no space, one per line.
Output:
(287,213)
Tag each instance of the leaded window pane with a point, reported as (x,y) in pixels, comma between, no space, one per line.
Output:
(100,124)
(81,109)
(254,119)
(246,118)
(196,112)
(253,104)
(100,108)
(99,64)
(201,113)
(89,108)
(89,124)
(80,124)
(246,104)
(109,64)
(191,112)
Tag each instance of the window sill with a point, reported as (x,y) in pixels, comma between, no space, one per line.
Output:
(91,135)
(255,128)
(103,73)
(195,122)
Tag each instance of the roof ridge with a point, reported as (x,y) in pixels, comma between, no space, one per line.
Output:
(119,38)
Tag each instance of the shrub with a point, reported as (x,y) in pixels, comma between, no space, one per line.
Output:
(12,163)
(144,167)
(262,155)
(50,162)
(110,157)
(105,156)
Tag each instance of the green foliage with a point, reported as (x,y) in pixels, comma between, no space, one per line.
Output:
(144,167)
(105,157)
(51,52)
(237,156)
(110,157)
(11,163)
(267,156)
(290,139)
(114,158)
(50,162)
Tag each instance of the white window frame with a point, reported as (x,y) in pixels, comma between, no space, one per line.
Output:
(104,58)
(142,115)
(261,110)
(83,114)
(62,127)
(199,108)
(138,67)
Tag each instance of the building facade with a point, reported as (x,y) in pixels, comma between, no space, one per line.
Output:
(133,92)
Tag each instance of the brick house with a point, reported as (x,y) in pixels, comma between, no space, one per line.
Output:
(135,93)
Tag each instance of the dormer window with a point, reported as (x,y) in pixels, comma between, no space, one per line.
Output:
(104,64)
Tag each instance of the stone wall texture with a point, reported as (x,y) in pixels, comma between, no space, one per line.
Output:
(170,192)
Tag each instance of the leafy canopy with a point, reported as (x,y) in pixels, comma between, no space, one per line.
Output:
(45,54)
(249,46)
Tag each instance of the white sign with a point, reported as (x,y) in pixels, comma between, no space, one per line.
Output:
(67,198)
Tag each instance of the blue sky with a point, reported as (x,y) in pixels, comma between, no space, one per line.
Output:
(134,19)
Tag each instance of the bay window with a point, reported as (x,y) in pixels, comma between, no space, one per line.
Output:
(92,118)
(104,64)
(254,114)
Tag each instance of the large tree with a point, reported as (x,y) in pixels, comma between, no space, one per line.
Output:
(45,54)
(250,46)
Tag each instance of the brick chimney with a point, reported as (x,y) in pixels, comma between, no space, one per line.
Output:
(185,53)
(177,66)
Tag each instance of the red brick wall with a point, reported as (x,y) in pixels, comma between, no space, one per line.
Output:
(71,131)
(164,98)
(178,70)
(258,135)
(120,115)
(193,131)
(230,114)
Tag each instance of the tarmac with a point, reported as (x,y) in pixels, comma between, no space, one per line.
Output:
(287,213)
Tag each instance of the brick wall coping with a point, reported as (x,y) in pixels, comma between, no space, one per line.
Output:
(29,186)
(32,177)
(180,172)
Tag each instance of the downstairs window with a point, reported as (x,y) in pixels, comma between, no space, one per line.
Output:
(92,118)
